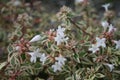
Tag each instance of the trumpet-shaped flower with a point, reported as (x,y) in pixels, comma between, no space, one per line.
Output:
(94,48)
(111,66)
(105,24)
(100,42)
(117,44)
(61,60)
(56,67)
(43,58)
(35,38)
(34,55)
(106,6)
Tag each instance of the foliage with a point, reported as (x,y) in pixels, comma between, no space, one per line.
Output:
(82,47)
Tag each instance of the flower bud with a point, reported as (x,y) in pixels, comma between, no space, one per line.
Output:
(35,38)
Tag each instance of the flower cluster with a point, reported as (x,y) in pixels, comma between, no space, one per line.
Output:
(65,49)
(36,54)
(60,36)
(63,14)
(22,46)
(99,43)
(60,61)
(106,26)
(109,30)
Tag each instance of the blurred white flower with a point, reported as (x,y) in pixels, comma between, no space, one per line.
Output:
(17,48)
(78,1)
(94,48)
(60,31)
(35,38)
(100,42)
(56,67)
(111,66)
(61,60)
(34,55)
(106,6)
(60,36)
(117,44)
(111,28)
(51,30)
(60,39)
(105,24)
(15,3)
(43,58)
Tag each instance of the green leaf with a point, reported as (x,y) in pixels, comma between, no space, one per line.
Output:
(23,56)
(76,58)
(68,78)
(87,61)
(10,48)
(115,71)
(109,50)
(2,65)
(82,54)
(18,33)
(92,78)
(99,75)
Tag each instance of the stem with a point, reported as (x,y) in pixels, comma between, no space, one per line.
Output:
(79,27)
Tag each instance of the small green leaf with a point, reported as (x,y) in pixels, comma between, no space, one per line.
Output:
(23,56)
(19,33)
(2,65)
(68,78)
(10,48)
(82,54)
(76,57)
(99,75)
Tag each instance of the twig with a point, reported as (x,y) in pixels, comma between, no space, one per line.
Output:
(79,27)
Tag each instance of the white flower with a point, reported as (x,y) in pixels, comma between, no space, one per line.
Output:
(35,38)
(61,60)
(106,6)
(94,48)
(51,30)
(100,42)
(60,36)
(34,55)
(60,31)
(60,39)
(78,1)
(15,3)
(117,44)
(43,58)
(111,28)
(56,67)
(17,48)
(111,66)
(105,24)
